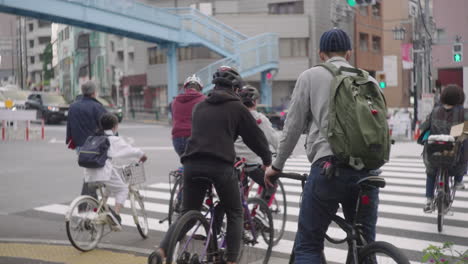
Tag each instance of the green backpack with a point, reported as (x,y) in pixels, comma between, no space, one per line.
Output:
(357,128)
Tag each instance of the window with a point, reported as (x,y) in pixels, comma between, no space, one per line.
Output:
(441,35)
(376,44)
(44,40)
(293,47)
(296,7)
(43,23)
(120,55)
(376,10)
(41,57)
(66,33)
(31,43)
(131,56)
(31,27)
(60,36)
(363,10)
(112,46)
(363,41)
(32,59)
(152,55)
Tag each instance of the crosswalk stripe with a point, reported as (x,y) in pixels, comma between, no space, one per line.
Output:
(402,222)
(284,245)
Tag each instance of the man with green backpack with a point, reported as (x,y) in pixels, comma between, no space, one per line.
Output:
(345,113)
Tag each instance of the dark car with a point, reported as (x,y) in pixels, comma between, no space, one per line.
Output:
(108,105)
(111,107)
(276,118)
(50,106)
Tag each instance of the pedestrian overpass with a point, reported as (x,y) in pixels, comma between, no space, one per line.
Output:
(169,28)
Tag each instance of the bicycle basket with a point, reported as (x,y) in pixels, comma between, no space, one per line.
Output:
(133,173)
(441,153)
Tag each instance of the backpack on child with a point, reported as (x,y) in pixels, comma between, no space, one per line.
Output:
(358,131)
(93,153)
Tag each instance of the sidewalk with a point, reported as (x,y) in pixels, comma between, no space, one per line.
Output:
(146,118)
(406,149)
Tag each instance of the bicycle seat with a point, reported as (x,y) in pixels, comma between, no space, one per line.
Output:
(251,166)
(375,181)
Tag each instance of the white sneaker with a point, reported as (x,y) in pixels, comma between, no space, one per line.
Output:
(459,186)
(428,208)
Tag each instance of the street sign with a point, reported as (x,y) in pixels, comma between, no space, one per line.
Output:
(9,103)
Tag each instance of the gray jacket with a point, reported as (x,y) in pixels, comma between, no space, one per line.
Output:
(309,111)
(272,136)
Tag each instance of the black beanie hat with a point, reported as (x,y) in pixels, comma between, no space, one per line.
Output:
(335,40)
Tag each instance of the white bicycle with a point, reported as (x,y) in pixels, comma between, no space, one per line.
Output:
(87,216)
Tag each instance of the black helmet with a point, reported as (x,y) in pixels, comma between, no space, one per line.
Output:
(249,94)
(227,76)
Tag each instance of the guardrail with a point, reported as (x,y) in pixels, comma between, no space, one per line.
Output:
(252,56)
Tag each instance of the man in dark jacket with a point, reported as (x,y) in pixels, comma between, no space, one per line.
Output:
(210,155)
(83,120)
(182,108)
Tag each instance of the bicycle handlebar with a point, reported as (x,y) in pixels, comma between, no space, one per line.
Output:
(294,176)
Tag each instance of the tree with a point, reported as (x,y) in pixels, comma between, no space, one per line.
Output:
(48,71)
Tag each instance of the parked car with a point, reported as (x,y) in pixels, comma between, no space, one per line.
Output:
(111,107)
(19,97)
(50,106)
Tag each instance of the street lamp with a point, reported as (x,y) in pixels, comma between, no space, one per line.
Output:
(399,33)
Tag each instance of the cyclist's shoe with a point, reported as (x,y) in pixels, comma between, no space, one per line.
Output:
(116,221)
(155,258)
(459,186)
(428,208)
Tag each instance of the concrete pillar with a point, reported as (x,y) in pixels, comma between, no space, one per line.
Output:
(266,89)
(171,72)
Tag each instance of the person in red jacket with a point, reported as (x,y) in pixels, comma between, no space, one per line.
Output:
(182,108)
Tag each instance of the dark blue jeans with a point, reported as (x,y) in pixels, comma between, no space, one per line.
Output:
(321,200)
(179,145)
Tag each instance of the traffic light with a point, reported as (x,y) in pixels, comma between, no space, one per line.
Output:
(457,51)
(382,80)
(353,3)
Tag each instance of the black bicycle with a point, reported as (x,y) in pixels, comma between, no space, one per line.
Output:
(359,251)
(443,152)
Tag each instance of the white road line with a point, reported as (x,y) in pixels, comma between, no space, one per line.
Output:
(284,245)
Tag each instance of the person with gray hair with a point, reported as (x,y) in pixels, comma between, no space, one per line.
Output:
(83,120)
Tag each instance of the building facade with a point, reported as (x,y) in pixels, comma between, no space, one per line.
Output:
(368,38)
(35,36)
(8,49)
(396,15)
(298,47)
(451,18)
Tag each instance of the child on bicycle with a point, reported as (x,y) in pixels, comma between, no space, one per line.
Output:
(118,150)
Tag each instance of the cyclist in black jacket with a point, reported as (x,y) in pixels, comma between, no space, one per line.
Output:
(216,123)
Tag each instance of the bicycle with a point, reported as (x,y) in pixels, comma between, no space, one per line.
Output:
(277,207)
(86,217)
(200,238)
(443,154)
(175,200)
(359,251)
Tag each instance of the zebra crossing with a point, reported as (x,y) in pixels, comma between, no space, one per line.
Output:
(401,219)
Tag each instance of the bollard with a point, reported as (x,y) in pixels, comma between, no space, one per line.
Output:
(27,130)
(3,129)
(42,129)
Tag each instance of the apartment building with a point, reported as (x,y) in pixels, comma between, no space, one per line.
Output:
(35,36)
(8,49)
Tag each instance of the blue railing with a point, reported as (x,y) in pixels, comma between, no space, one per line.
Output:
(253,55)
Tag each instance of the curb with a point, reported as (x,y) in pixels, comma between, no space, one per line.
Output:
(67,243)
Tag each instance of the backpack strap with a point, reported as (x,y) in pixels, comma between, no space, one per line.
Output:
(330,67)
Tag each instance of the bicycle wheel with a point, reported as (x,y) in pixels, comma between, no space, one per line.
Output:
(139,214)
(278,210)
(191,241)
(83,224)
(175,202)
(260,224)
(382,253)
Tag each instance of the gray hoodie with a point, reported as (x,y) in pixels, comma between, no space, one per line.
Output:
(309,111)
